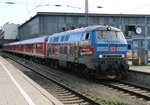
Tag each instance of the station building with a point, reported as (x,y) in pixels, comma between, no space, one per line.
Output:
(45,23)
(8,33)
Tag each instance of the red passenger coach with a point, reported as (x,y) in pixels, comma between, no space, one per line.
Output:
(12,47)
(33,48)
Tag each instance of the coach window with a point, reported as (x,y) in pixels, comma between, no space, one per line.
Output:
(67,38)
(51,39)
(75,37)
(30,46)
(71,38)
(21,47)
(78,36)
(56,39)
(62,38)
(39,46)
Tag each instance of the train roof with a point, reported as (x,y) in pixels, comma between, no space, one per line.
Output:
(93,27)
(29,41)
(83,29)
(14,43)
(100,27)
(34,40)
(86,29)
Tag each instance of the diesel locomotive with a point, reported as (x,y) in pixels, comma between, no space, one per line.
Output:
(100,51)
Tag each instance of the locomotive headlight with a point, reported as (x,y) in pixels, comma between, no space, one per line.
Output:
(122,56)
(100,56)
(108,28)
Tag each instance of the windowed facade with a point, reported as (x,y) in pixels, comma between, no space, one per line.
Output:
(50,23)
(30,29)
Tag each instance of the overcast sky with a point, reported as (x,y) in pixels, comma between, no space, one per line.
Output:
(22,10)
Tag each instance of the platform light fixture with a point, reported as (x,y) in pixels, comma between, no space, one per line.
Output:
(42,5)
(99,6)
(10,2)
(58,5)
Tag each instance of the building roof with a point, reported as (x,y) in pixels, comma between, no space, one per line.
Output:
(82,15)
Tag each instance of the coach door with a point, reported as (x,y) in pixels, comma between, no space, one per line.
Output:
(77,39)
(76,51)
(34,48)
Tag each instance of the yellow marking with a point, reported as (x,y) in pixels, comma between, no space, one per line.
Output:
(111,76)
(135,58)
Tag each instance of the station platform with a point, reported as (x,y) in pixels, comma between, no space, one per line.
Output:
(139,68)
(143,69)
(18,89)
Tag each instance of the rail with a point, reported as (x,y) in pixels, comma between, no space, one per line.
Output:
(65,94)
(131,88)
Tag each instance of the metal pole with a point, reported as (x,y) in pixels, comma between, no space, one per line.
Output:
(146,43)
(86,12)
(120,21)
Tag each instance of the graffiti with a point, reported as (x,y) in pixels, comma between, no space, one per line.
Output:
(87,51)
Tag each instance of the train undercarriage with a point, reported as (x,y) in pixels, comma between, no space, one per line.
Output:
(103,69)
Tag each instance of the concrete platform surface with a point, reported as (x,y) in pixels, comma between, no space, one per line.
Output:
(18,89)
(144,69)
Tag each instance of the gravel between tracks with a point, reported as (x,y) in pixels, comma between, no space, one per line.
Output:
(87,87)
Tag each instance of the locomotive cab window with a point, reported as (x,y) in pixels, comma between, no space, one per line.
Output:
(109,35)
(129,47)
(86,36)
(101,35)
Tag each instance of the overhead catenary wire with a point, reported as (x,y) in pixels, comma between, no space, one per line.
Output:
(27,7)
(135,8)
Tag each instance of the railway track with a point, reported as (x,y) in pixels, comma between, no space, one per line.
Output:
(131,88)
(63,93)
(126,87)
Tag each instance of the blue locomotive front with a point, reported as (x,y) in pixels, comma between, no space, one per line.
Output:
(96,50)
(109,55)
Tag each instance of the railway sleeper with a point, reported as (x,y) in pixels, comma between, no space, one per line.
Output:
(67,96)
(79,102)
(61,92)
(146,94)
(59,89)
(66,99)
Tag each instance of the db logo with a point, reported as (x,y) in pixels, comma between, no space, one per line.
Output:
(112,49)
